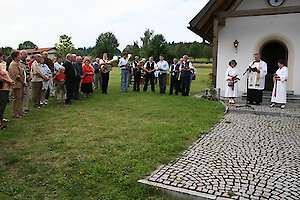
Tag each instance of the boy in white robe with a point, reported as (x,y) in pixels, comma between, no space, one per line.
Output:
(231,78)
(280,85)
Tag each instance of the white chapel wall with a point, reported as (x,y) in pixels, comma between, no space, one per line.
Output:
(250,31)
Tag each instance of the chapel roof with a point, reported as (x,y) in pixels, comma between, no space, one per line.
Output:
(202,23)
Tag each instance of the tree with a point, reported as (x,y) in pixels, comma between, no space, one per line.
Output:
(133,49)
(180,50)
(64,46)
(27,45)
(195,50)
(157,46)
(207,52)
(85,51)
(106,43)
(148,36)
(6,51)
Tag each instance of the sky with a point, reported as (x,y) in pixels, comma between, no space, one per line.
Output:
(43,21)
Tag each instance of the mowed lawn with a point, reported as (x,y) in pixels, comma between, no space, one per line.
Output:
(98,148)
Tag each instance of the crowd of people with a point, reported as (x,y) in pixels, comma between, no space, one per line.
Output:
(41,78)
(256,73)
(181,72)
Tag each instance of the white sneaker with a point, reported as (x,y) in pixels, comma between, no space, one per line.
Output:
(272,105)
(283,106)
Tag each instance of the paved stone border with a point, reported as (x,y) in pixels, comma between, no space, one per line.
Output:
(190,194)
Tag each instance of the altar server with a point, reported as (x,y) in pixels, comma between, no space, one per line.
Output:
(280,85)
(231,78)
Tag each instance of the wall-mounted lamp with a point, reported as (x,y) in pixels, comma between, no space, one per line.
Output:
(236,45)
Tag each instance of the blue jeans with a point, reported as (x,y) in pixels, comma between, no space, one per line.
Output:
(124,80)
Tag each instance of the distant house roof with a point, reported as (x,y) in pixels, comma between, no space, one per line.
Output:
(202,23)
(39,50)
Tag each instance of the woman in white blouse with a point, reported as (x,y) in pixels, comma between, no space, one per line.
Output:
(231,77)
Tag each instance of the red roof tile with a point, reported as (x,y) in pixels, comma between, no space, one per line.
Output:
(39,50)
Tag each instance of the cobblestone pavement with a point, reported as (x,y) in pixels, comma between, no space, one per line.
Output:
(292,110)
(246,156)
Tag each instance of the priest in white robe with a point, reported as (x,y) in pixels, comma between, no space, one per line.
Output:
(280,85)
(231,78)
(257,72)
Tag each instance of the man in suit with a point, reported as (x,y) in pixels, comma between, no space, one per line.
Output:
(175,82)
(71,74)
(78,67)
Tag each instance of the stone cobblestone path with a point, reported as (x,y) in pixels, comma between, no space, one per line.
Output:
(246,156)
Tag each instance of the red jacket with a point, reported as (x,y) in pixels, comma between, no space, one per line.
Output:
(88,72)
(59,77)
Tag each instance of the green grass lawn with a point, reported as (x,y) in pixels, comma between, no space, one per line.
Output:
(98,148)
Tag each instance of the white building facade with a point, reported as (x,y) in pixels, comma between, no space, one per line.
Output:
(268,27)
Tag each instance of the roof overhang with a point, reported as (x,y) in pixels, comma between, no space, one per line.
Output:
(202,23)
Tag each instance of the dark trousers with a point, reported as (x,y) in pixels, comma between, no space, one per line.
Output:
(185,89)
(76,88)
(175,83)
(36,92)
(4,94)
(70,91)
(162,83)
(136,84)
(254,96)
(104,84)
(147,78)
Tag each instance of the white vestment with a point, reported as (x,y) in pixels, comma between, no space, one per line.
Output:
(257,80)
(231,91)
(280,86)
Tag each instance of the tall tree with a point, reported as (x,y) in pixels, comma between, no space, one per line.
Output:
(27,45)
(64,46)
(195,50)
(106,43)
(147,37)
(157,46)
(133,49)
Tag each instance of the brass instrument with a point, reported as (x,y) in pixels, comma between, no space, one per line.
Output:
(112,63)
(130,60)
(143,61)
